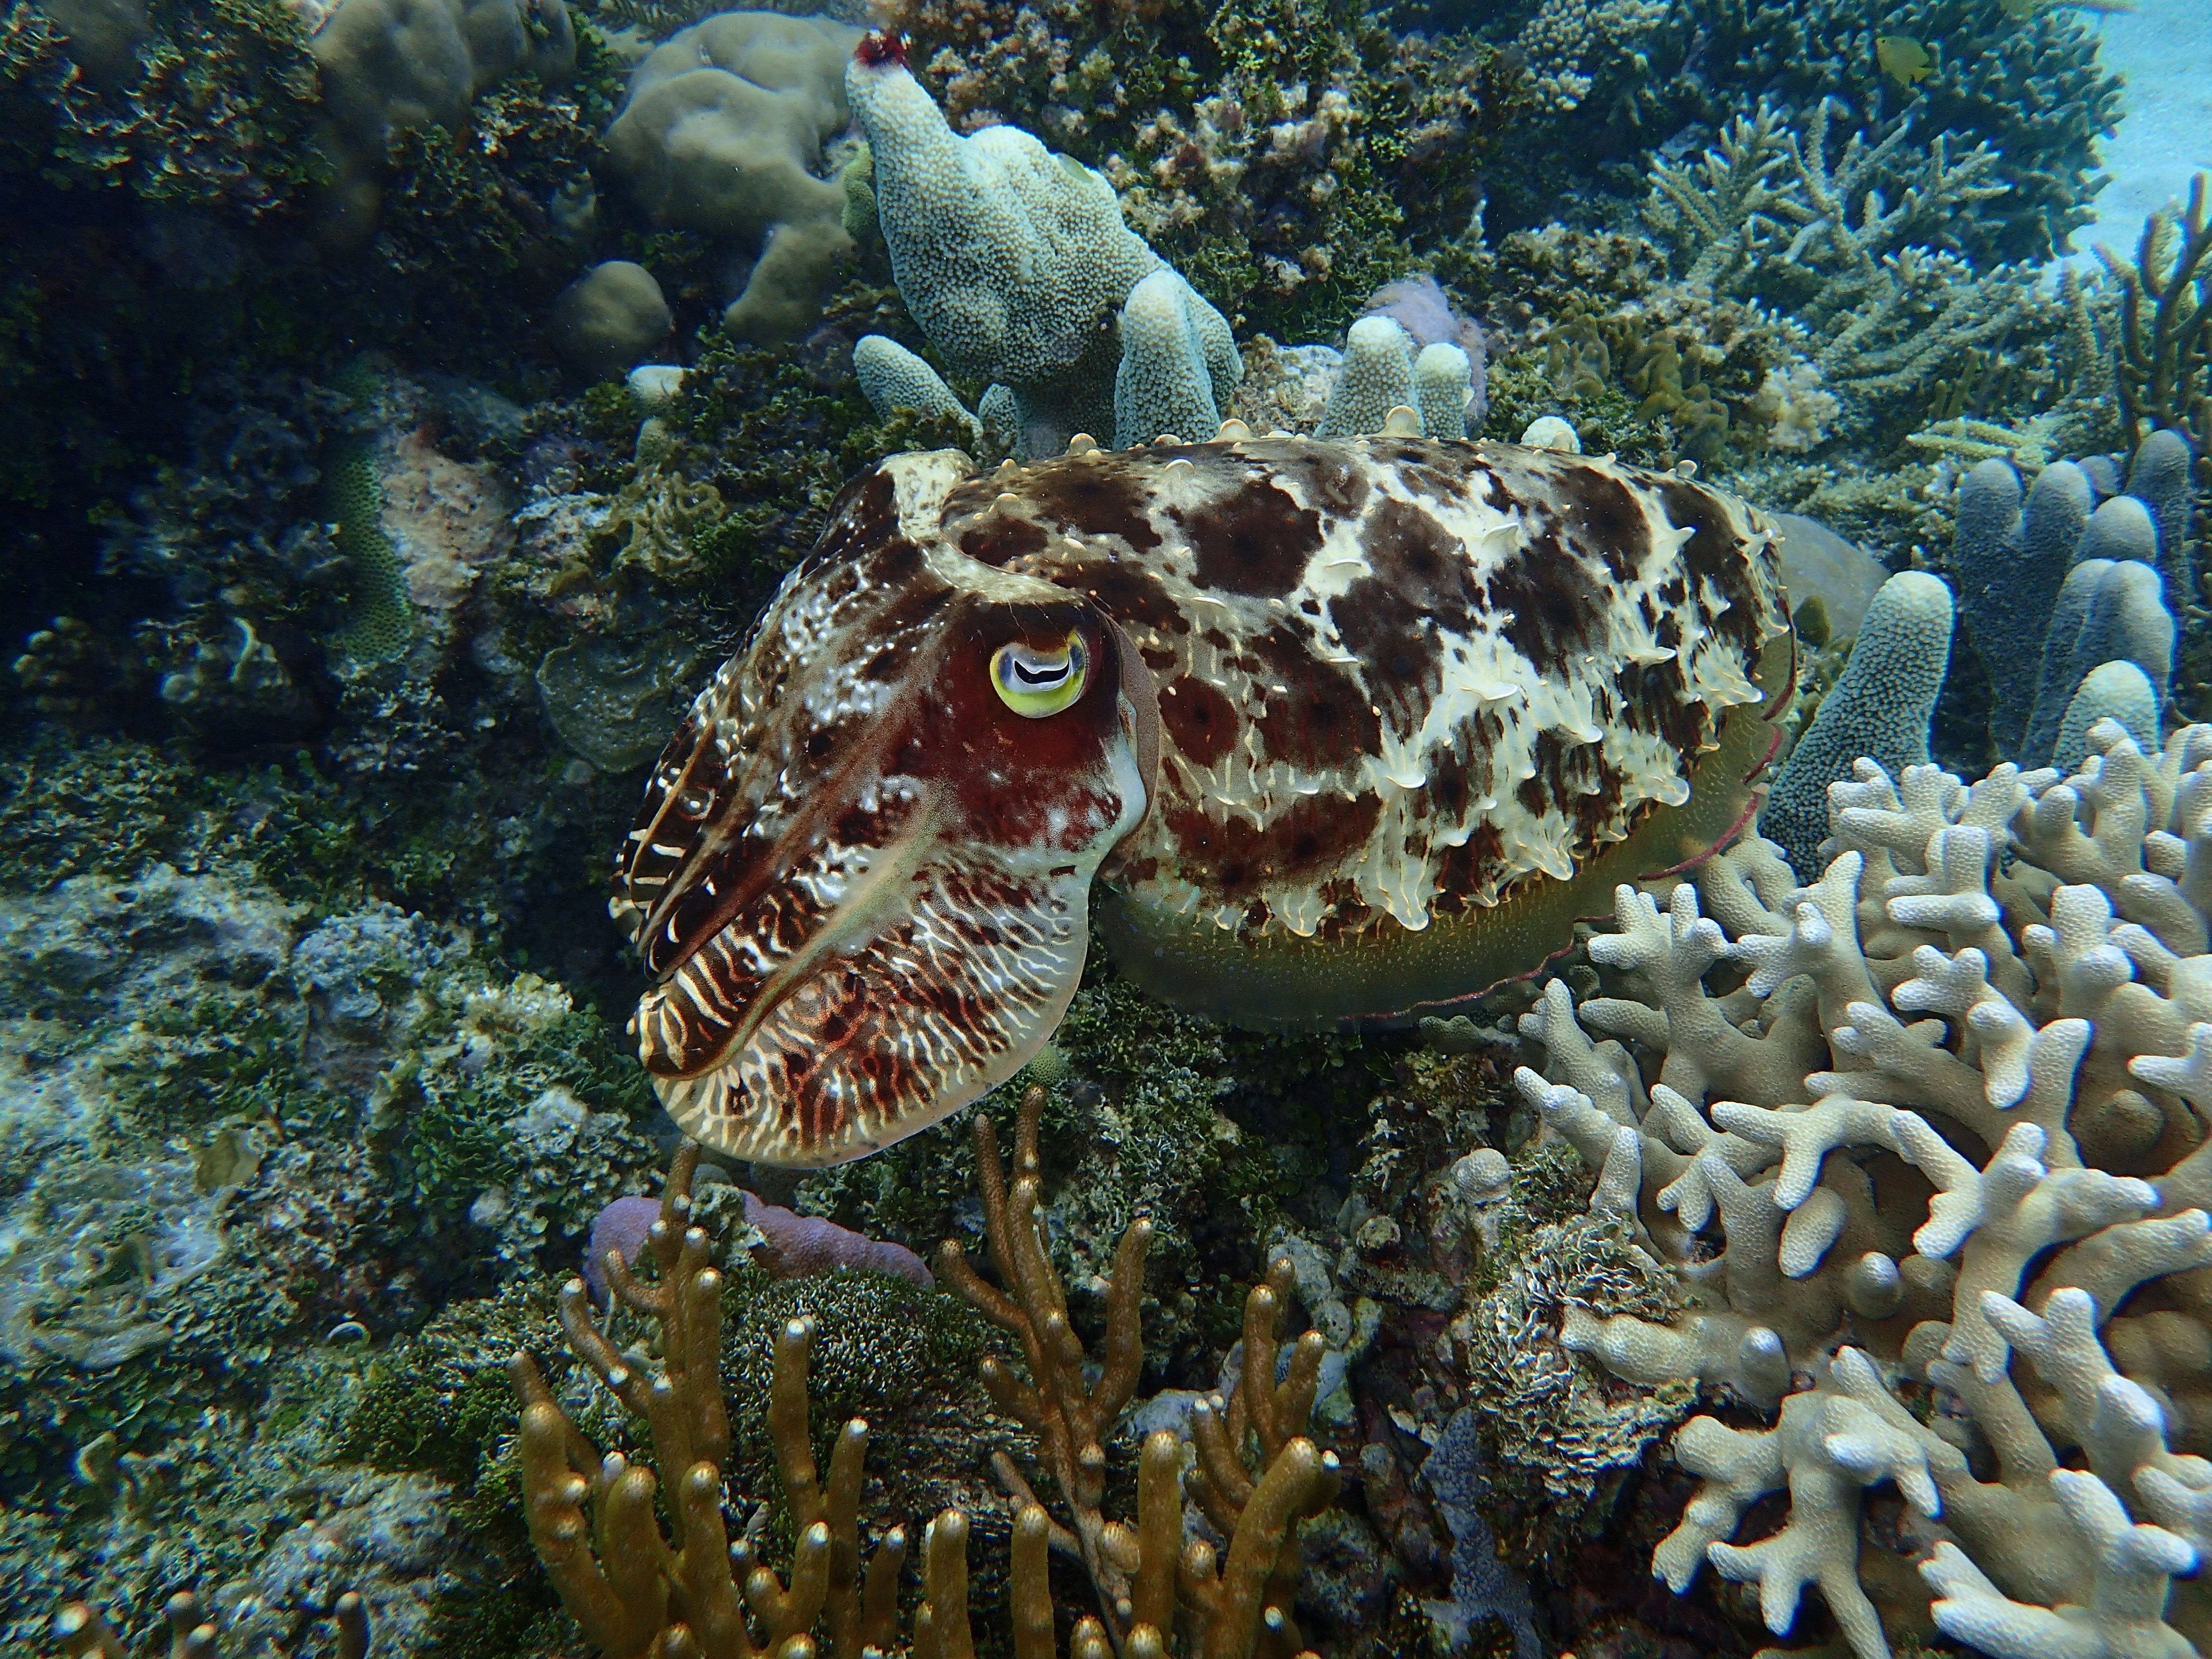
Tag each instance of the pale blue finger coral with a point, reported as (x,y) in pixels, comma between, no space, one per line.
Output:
(2113,690)
(1171,363)
(2059,583)
(1878,710)
(1382,372)
(892,378)
(2108,610)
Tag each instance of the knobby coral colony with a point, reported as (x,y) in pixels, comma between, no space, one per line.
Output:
(635,1592)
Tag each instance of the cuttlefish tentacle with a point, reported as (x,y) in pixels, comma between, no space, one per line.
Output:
(1346,731)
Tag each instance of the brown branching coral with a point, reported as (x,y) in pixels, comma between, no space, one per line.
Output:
(2165,355)
(83,1634)
(593,1519)
(1233,1605)
(639,1594)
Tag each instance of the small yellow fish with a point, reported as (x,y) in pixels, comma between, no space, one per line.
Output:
(1902,59)
(2020,10)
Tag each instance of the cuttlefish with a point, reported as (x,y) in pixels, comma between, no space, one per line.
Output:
(1331,734)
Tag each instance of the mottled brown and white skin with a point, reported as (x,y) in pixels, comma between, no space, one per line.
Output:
(1356,730)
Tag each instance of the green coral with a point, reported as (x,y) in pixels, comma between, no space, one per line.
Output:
(722,492)
(381,621)
(438,1402)
(884,1349)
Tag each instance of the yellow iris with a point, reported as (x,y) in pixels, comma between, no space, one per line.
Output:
(1036,682)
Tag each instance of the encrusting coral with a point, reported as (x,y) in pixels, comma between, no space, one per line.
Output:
(1925,1144)
(723,133)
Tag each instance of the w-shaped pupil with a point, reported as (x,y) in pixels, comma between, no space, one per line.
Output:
(1028,673)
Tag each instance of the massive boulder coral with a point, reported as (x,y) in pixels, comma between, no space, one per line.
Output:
(393,66)
(1928,1131)
(723,133)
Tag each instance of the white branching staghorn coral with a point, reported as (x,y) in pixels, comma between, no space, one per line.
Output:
(1929,1146)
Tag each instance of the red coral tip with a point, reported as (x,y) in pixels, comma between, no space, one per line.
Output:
(881,46)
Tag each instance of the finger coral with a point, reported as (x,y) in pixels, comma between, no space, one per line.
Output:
(83,1634)
(1253,1476)
(636,1591)
(1017,264)
(1230,1599)
(1922,1144)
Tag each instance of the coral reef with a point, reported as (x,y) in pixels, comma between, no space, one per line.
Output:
(394,66)
(340,630)
(1873,276)
(610,317)
(84,1634)
(1018,266)
(632,1591)
(2165,318)
(1939,1106)
(1141,1573)
(2029,85)
(1287,157)
(189,106)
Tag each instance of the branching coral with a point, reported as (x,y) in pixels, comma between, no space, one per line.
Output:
(1875,278)
(1931,1126)
(1232,1600)
(2027,81)
(2165,355)
(636,1592)
(83,1634)
(594,1522)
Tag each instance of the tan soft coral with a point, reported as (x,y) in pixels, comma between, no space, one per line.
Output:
(1942,1109)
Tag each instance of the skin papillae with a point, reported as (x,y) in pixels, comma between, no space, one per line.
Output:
(640,1592)
(1356,730)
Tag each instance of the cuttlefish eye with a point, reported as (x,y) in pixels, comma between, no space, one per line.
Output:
(1037,681)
